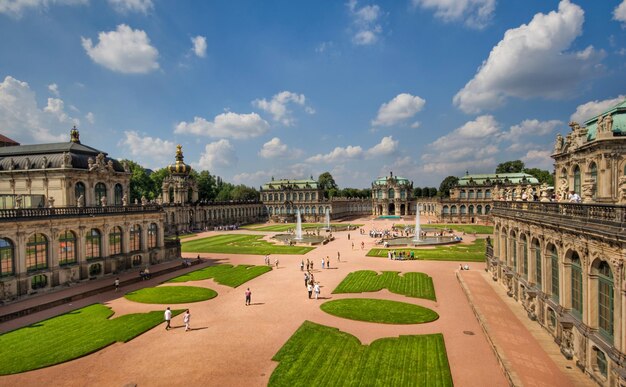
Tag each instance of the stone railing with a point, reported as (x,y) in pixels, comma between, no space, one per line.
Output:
(34,213)
(605,214)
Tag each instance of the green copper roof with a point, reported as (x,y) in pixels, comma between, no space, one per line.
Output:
(398,179)
(497,178)
(291,183)
(618,113)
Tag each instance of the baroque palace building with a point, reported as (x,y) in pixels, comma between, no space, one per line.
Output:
(392,196)
(564,260)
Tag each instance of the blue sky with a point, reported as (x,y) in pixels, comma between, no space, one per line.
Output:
(289,89)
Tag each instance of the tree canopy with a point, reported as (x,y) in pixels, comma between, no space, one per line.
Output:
(515,166)
(447,183)
(542,175)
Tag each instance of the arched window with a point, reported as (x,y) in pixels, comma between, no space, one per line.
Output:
(307,210)
(402,194)
(537,254)
(119,193)
(446,210)
(479,194)
(152,235)
(171,194)
(135,238)
(463,194)
(487,209)
(554,268)
(307,196)
(37,252)
(67,248)
(471,210)
(577,285)
(93,244)
(605,300)
(79,190)
(391,193)
(100,191)
(463,209)
(487,193)
(577,179)
(115,241)
(282,197)
(524,247)
(7,257)
(479,209)
(313,210)
(379,194)
(514,252)
(593,171)
(300,196)
(453,210)
(471,194)
(313,195)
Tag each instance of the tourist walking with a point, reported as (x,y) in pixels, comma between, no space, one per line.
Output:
(322,263)
(327,262)
(306,279)
(352,245)
(248,296)
(348,236)
(362,245)
(117,283)
(338,257)
(187,320)
(317,290)
(276,262)
(302,265)
(168,318)
(309,288)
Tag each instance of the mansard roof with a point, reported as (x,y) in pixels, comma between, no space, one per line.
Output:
(291,184)
(618,114)
(497,178)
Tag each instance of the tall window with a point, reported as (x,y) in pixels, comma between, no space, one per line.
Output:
(135,237)
(403,194)
(119,193)
(37,252)
(487,193)
(312,195)
(593,171)
(79,190)
(487,209)
(463,194)
(479,194)
(514,251)
(538,274)
(7,257)
(479,209)
(152,235)
(390,193)
(101,191)
(463,209)
(577,179)
(93,243)
(577,286)
(524,256)
(115,241)
(554,266)
(67,248)
(605,300)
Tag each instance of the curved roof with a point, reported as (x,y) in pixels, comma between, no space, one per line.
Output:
(497,178)
(384,180)
(618,114)
(291,183)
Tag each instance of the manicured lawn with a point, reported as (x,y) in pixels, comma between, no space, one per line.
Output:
(183,236)
(467,228)
(474,252)
(317,355)
(171,295)
(292,226)
(240,244)
(411,284)
(225,274)
(379,311)
(69,336)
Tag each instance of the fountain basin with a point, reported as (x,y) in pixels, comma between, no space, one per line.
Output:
(424,241)
(305,240)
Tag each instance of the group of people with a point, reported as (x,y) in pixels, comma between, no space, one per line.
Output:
(168,319)
(268,262)
(311,285)
(400,256)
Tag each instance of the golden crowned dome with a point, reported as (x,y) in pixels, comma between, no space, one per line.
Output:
(179,168)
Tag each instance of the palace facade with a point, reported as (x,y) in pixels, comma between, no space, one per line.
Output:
(392,196)
(564,260)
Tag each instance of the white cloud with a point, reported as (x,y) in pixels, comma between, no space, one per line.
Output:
(399,109)
(152,152)
(128,6)
(199,46)
(277,106)
(474,13)
(295,171)
(532,61)
(124,50)
(229,124)
(386,146)
(217,156)
(539,159)
(90,118)
(365,23)
(532,128)
(54,89)
(619,13)
(16,8)
(323,47)
(591,109)
(275,148)
(22,120)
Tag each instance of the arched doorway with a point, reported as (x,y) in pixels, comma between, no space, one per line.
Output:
(392,209)
(402,209)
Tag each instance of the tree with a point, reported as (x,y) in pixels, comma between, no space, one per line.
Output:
(207,185)
(327,183)
(417,192)
(542,175)
(242,192)
(140,183)
(515,166)
(157,178)
(432,192)
(447,183)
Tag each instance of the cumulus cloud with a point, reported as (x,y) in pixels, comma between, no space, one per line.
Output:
(275,148)
(591,109)
(144,148)
(532,127)
(22,120)
(277,106)
(199,46)
(217,156)
(128,6)
(90,118)
(532,61)
(54,89)
(365,21)
(619,13)
(124,50)
(229,124)
(399,109)
(296,171)
(539,159)
(474,13)
(16,8)
(386,146)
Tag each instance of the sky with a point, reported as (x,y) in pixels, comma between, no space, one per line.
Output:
(291,89)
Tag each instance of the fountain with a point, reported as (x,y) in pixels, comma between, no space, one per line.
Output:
(418,229)
(327,219)
(298,227)
(299,238)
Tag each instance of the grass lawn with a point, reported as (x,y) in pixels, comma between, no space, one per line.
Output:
(317,355)
(183,236)
(467,228)
(171,295)
(291,226)
(228,275)
(474,252)
(379,311)
(240,244)
(412,284)
(69,336)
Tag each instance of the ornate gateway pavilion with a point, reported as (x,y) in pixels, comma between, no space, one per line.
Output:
(391,195)
(564,261)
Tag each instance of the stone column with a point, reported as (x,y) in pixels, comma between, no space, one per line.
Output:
(53,256)
(81,247)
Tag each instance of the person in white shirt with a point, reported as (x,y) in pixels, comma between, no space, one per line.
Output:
(168,318)
(574,197)
(187,319)
(317,290)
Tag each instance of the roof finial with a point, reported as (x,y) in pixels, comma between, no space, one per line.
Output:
(74,135)
(179,153)
(466,172)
